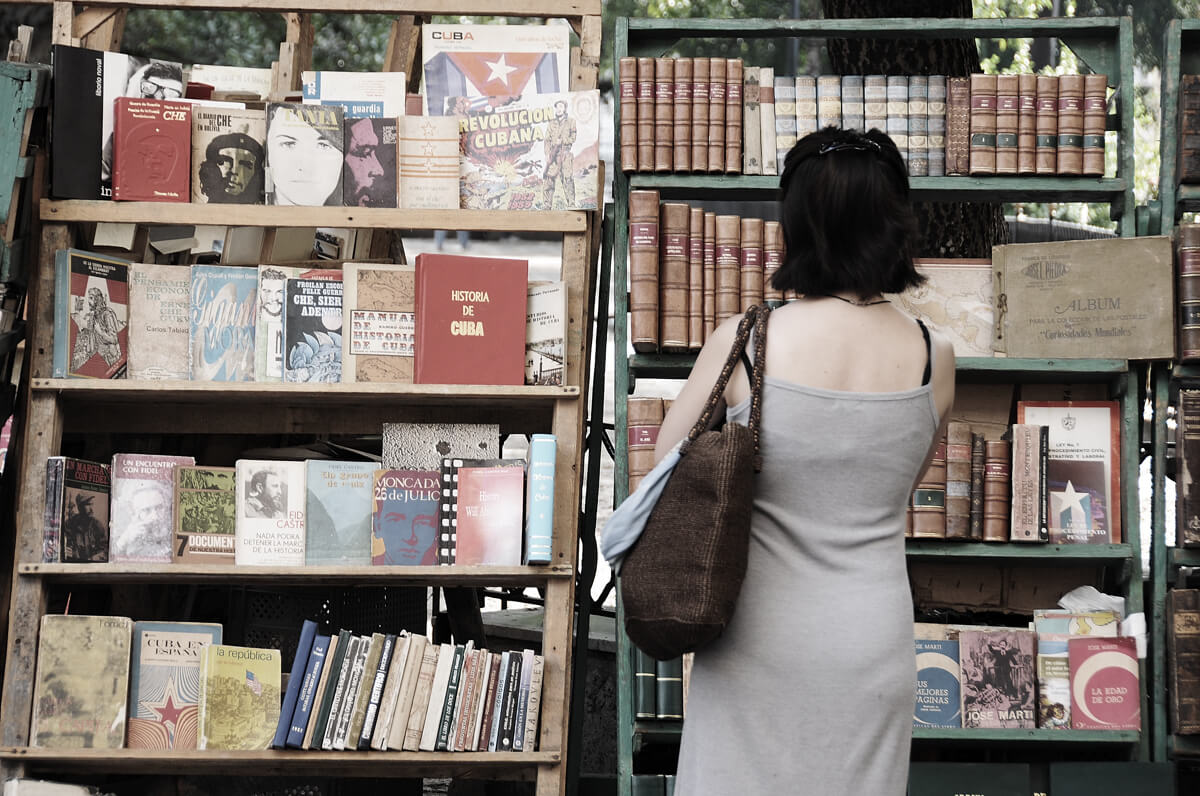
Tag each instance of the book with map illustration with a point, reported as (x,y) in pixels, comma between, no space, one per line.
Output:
(956,299)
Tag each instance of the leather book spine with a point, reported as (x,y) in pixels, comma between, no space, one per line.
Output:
(643,270)
(644,416)
(645,114)
(929,498)
(918,125)
(897,113)
(875,103)
(1027,510)
(772,259)
(983,124)
(699,155)
(1070,124)
(716,114)
(806,105)
(682,143)
(829,101)
(664,114)
(937,125)
(785,118)
(958,126)
(627,70)
(1095,117)
(958,480)
(1183,659)
(673,277)
(728,267)
(1007,123)
(1026,123)
(766,116)
(710,273)
(695,278)
(1046,150)
(734,76)
(977,469)
(751,122)
(997,463)
(752,263)
(1187,469)
(1189,128)
(853,102)
(1187,257)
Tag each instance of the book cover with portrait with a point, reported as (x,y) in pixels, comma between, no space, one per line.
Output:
(271,499)
(268,314)
(304,154)
(998,667)
(222,324)
(91,315)
(312,330)
(404,517)
(152,150)
(229,148)
(143,506)
(125,75)
(369,168)
(83,510)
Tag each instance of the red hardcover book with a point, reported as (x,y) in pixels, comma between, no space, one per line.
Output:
(1105,690)
(153,150)
(490,505)
(470,320)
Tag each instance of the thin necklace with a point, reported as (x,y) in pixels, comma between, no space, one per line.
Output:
(852,301)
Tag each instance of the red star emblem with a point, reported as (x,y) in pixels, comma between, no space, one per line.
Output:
(169,712)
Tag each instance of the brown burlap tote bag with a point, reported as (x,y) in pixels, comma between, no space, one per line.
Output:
(680,580)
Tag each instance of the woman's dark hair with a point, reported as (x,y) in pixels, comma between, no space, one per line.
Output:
(848,222)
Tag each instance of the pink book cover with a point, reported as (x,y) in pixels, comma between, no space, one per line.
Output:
(1105,686)
(491,501)
(142,518)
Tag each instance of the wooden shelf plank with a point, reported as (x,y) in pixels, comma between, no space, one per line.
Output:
(516,8)
(67,211)
(1185,557)
(1039,736)
(281,762)
(138,391)
(880,28)
(991,551)
(1188,198)
(302,576)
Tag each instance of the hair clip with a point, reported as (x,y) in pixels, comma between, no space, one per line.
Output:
(865,145)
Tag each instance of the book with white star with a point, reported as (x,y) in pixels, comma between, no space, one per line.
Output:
(164,683)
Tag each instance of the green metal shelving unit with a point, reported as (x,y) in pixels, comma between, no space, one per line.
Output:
(1104,45)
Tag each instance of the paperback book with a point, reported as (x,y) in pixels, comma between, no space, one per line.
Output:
(84,505)
(268,329)
(228,155)
(338,516)
(404,517)
(239,697)
(205,515)
(358,94)
(164,683)
(143,506)
(997,678)
(369,169)
(222,327)
(312,330)
(428,163)
(159,321)
(939,700)
(545,333)
(304,154)
(379,322)
(270,513)
(91,315)
(1105,684)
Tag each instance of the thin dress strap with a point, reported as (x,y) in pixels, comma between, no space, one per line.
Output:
(928,354)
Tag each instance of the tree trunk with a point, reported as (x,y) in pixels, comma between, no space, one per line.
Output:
(948,229)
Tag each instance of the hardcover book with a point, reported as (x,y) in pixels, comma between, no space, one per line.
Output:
(806,105)
(644,416)
(362,698)
(421,446)
(76,122)
(929,497)
(718,91)
(664,114)
(937,125)
(268,315)
(734,79)
(81,682)
(164,683)
(627,91)
(91,315)
(338,514)
(1105,687)
(228,155)
(1046,149)
(1070,124)
(143,506)
(698,147)
(358,94)
(470,320)
(1095,117)
(673,277)
(428,163)
(958,125)
(222,322)
(270,512)
(1187,469)
(378,322)
(404,517)
(314,668)
(645,115)
(1027,123)
(312,330)
(83,535)
(489,515)
(983,124)
(305,150)
(1189,128)
(1183,659)
(957,298)
(997,678)
(532,153)
(1029,451)
(137,77)
(766,109)
(239,697)
(695,287)
(539,499)
(997,470)
(939,701)
(1007,123)
(751,121)
(420,699)
(918,124)
(643,270)
(339,646)
(545,333)
(958,480)
(152,151)
(369,171)
(1187,256)
(681,126)
(205,515)
(405,693)
(159,321)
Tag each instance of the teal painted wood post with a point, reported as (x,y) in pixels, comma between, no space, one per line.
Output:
(1169,125)
(1125,154)
(1157,624)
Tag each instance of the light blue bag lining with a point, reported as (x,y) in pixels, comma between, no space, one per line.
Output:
(628,521)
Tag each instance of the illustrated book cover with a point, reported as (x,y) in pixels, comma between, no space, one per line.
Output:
(378,322)
(531,153)
(137,77)
(271,500)
(369,170)
(164,683)
(939,699)
(152,150)
(428,163)
(421,446)
(545,333)
(956,298)
(470,320)
(269,316)
(312,330)
(305,148)
(80,684)
(76,122)
(222,322)
(83,534)
(91,315)
(1105,684)
(1083,468)
(404,517)
(205,515)
(239,697)
(229,148)
(143,506)
(358,94)
(1053,682)
(337,520)
(997,678)
(159,321)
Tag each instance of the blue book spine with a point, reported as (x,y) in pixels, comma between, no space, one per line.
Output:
(308,631)
(62,297)
(308,689)
(539,499)
(939,683)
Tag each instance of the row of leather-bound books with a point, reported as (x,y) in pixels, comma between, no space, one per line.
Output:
(965,491)
(1189,128)
(690,269)
(1187,255)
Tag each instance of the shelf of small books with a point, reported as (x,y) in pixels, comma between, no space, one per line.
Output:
(301,575)
(1179,58)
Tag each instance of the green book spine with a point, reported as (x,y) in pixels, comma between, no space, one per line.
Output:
(443,736)
(644,686)
(669,689)
(335,666)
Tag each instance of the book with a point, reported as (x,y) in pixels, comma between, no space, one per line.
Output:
(645,685)
(52,512)
(700,113)
(918,125)
(312,330)
(338,690)
(939,698)
(1053,682)
(378,647)
(392,690)
(159,321)
(728,264)
(806,105)
(151,150)
(644,416)
(751,121)
(897,113)
(710,273)
(734,80)
(473,61)
(454,687)
(1183,654)
(81,681)
(487,708)
(467,709)
(422,688)
(643,270)
(505,725)
(1095,117)
(308,633)
(271,512)
(627,96)
(1077,623)
(134,76)
(221,338)
(1187,469)
(673,277)
(378,322)
(369,175)
(958,126)
(404,516)
(338,518)
(142,511)
(645,114)
(750,272)
(339,646)
(695,286)
(874,102)
(1189,128)
(1070,125)
(205,514)
(84,505)
(681,110)
(664,114)
(545,333)
(539,500)
(1187,289)
(534,707)
(997,678)
(488,517)
(518,742)
(314,670)
(91,315)
(342,713)
(668,689)
(228,163)
(785,118)
(853,102)
(375,694)
(937,125)
(1105,684)
(983,124)
(305,152)
(1083,470)
(978,467)
(358,94)
(439,683)
(929,497)
(1028,520)
(1027,123)
(421,446)
(269,317)
(533,153)
(239,697)
(718,92)
(772,260)
(470,320)
(958,480)
(829,101)
(428,163)
(1007,123)
(1046,149)
(76,122)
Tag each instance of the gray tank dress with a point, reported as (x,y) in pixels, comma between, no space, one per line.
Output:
(810,689)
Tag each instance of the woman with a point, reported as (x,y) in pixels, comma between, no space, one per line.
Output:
(304,154)
(810,689)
